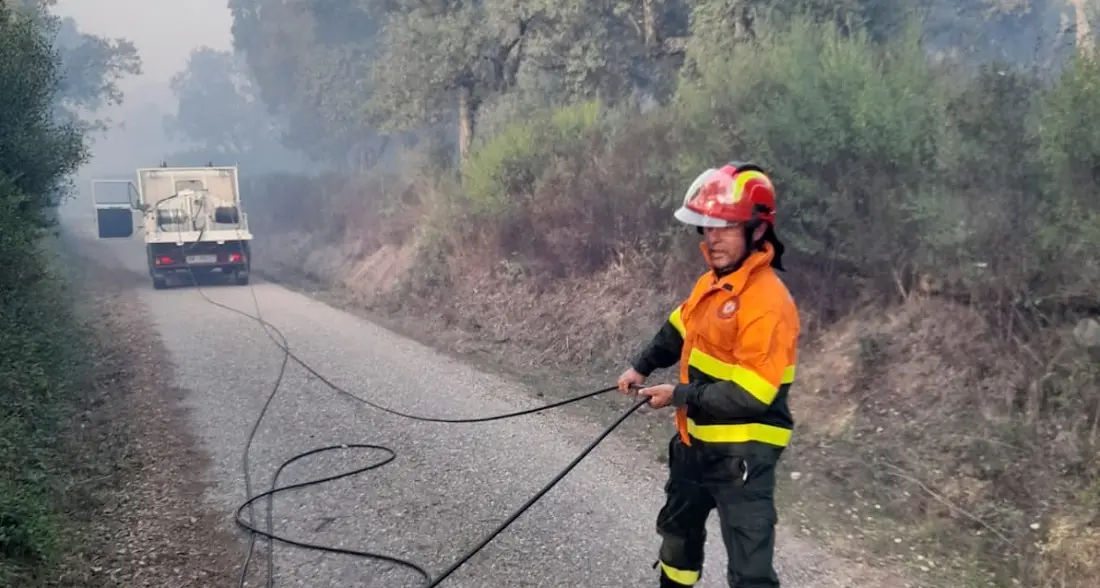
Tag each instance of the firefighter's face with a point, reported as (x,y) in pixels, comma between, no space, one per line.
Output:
(726,246)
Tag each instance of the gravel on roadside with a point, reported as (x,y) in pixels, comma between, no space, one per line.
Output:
(137,512)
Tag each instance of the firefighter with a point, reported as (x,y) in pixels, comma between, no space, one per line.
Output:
(735,338)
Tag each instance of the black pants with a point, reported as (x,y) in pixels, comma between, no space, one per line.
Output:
(740,485)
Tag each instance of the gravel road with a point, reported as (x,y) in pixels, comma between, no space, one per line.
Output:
(449,485)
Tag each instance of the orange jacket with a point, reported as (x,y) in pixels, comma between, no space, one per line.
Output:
(736,340)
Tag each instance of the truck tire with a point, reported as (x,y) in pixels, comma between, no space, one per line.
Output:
(241,278)
(160,283)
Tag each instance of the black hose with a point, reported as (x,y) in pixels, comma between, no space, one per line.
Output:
(280,341)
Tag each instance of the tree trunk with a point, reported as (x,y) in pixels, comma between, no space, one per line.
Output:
(744,26)
(467,113)
(1084,29)
(652,24)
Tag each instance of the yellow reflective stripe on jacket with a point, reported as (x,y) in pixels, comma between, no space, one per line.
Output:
(788,375)
(752,382)
(677,321)
(685,577)
(743,433)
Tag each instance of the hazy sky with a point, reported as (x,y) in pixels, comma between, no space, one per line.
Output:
(164,31)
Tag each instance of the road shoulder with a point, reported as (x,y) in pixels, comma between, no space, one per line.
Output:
(139,517)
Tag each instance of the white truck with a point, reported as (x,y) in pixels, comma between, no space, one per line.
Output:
(191,222)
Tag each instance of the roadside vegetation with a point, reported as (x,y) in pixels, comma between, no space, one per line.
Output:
(42,352)
(937,175)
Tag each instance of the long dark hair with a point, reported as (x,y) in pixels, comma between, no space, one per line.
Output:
(771,237)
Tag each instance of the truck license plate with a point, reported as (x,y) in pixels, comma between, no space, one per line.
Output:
(202,259)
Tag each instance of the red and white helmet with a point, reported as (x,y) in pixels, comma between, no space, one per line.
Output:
(735,193)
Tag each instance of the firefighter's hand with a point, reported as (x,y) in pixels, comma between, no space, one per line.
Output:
(660,395)
(630,381)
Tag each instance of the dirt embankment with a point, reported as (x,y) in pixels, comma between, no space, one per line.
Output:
(136,508)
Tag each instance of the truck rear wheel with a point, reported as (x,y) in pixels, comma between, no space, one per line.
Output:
(160,283)
(241,278)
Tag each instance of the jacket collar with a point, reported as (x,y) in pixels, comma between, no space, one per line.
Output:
(735,281)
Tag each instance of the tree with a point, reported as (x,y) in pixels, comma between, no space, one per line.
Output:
(310,61)
(1015,31)
(718,26)
(447,57)
(219,112)
(90,67)
(1082,17)
(37,151)
(218,105)
(972,31)
(610,48)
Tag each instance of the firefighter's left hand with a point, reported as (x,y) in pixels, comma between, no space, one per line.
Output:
(660,395)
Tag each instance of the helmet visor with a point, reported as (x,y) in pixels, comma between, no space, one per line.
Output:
(690,217)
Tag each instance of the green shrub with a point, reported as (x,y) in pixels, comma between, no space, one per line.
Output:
(509,164)
(848,129)
(38,355)
(1068,223)
(38,345)
(37,152)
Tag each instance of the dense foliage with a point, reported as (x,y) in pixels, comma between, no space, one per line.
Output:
(49,72)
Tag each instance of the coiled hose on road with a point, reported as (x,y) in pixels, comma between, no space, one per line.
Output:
(429,582)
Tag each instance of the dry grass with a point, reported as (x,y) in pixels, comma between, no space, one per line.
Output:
(930,431)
